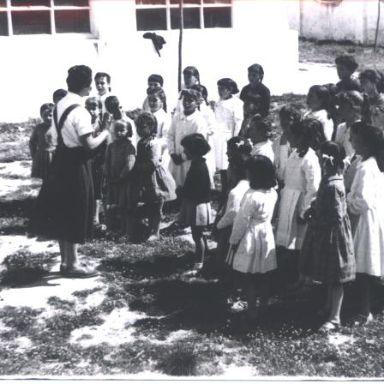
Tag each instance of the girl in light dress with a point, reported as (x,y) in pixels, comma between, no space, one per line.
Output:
(318,102)
(229,117)
(301,181)
(157,104)
(195,210)
(252,241)
(260,133)
(366,207)
(327,255)
(186,123)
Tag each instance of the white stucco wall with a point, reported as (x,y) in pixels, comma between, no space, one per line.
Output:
(35,66)
(353,20)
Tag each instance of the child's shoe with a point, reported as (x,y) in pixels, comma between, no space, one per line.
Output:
(329,326)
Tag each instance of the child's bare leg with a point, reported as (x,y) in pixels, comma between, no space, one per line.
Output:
(71,253)
(200,243)
(155,219)
(96,218)
(336,292)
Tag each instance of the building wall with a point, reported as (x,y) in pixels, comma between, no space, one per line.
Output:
(34,66)
(353,20)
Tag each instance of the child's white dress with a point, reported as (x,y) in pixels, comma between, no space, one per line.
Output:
(164,121)
(182,126)
(264,148)
(229,117)
(301,182)
(322,116)
(252,230)
(366,201)
(282,152)
(343,138)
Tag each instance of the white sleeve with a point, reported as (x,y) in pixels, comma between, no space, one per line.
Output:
(312,176)
(238,115)
(359,198)
(230,212)
(82,122)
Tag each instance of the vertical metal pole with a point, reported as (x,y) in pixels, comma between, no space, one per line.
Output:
(181,15)
(377,24)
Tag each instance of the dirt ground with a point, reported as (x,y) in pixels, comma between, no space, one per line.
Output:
(144,316)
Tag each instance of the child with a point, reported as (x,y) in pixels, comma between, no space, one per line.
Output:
(366,205)
(252,239)
(195,210)
(209,116)
(288,115)
(119,162)
(346,66)
(350,111)
(260,132)
(58,95)
(153,183)
(93,106)
(191,77)
(327,254)
(40,147)
(238,151)
(191,121)
(257,90)
(315,131)
(154,81)
(318,102)
(371,84)
(229,117)
(301,182)
(103,87)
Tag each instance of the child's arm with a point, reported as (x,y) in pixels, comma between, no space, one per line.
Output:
(129,163)
(241,221)
(238,117)
(312,177)
(230,212)
(265,102)
(171,142)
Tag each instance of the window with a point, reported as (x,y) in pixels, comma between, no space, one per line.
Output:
(164,14)
(28,17)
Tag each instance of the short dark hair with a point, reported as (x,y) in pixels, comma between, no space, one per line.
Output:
(202,90)
(79,77)
(228,84)
(192,71)
(112,105)
(313,131)
(46,107)
(196,144)
(335,150)
(103,74)
(93,101)
(239,145)
(58,95)
(262,123)
(147,117)
(347,61)
(256,68)
(155,78)
(290,112)
(126,123)
(261,172)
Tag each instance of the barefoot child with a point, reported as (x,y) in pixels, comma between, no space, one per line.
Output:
(327,254)
(195,210)
(252,239)
(119,162)
(365,204)
(39,145)
(153,184)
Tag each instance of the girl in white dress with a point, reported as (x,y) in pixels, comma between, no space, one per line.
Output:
(318,102)
(365,203)
(252,239)
(229,117)
(301,181)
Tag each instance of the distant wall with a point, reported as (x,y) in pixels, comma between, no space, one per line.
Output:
(353,20)
(34,66)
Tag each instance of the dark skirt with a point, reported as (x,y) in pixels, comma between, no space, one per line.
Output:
(40,163)
(65,204)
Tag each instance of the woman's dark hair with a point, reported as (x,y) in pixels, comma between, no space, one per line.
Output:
(264,124)
(79,77)
(290,112)
(196,144)
(158,92)
(373,138)
(313,132)
(261,171)
(336,151)
(148,119)
(202,90)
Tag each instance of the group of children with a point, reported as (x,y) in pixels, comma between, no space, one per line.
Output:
(305,204)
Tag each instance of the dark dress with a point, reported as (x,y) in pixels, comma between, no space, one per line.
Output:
(65,204)
(327,254)
(97,163)
(259,95)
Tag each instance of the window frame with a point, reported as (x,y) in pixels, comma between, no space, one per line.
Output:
(8,9)
(201,6)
